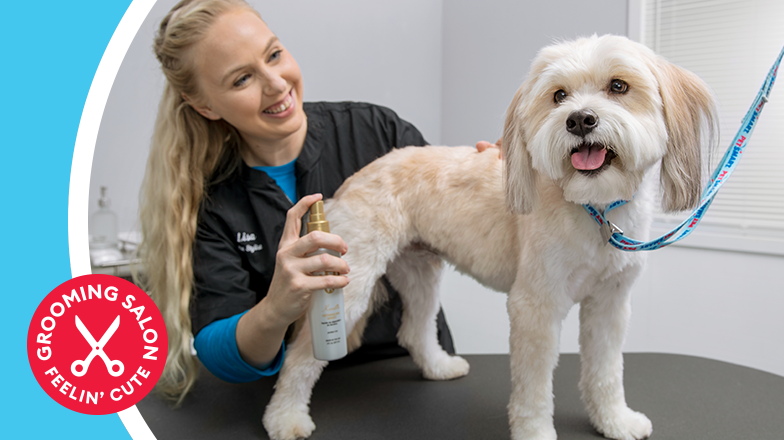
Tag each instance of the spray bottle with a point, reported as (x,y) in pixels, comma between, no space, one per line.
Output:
(327,317)
(103,225)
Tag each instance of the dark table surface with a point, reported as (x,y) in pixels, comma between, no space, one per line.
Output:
(685,397)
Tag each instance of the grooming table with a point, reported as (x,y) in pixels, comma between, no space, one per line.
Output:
(685,397)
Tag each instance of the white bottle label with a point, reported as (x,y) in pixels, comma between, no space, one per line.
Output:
(327,324)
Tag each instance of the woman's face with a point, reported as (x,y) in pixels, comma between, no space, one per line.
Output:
(247,78)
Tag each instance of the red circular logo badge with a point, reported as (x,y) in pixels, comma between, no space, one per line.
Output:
(97,344)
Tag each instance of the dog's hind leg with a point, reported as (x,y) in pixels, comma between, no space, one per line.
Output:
(415,274)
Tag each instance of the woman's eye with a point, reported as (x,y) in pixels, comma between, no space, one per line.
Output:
(242,80)
(619,86)
(560,96)
(275,55)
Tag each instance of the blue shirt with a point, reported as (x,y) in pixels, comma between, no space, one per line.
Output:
(285,178)
(216,346)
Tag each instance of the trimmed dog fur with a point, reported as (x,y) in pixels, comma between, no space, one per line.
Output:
(598,119)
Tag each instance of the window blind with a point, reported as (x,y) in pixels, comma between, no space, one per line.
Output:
(731,44)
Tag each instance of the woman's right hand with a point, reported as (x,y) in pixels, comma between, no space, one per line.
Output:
(292,283)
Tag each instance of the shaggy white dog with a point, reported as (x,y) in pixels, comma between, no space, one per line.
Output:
(598,119)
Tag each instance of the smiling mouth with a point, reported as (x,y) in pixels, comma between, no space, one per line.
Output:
(280,108)
(591,159)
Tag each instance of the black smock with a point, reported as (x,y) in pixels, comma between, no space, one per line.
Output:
(241,219)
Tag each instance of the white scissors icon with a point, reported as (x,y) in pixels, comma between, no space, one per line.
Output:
(79,368)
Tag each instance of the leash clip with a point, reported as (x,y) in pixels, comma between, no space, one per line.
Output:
(607,230)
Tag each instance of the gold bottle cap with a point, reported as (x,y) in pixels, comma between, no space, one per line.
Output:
(318,221)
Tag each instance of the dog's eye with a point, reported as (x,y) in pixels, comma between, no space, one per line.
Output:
(559,96)
(618,86)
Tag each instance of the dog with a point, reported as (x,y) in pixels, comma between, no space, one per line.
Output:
(598,119)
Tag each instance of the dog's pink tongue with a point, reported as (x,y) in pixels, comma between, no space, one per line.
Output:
(588,157)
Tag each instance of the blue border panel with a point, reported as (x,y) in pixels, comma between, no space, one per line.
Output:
(50,53)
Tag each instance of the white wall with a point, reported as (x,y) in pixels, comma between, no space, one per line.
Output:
(717,304)
(487,50)
(451,69)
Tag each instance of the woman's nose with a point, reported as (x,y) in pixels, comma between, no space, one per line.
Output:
(275,84)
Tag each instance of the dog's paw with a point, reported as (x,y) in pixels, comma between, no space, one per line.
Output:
(543,432)
(287,424)
(447,367)
(625,424)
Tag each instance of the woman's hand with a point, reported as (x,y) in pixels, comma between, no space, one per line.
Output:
(261,330)
(484,145)
(292,282)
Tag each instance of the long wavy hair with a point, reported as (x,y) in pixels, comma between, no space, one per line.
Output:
(188,152)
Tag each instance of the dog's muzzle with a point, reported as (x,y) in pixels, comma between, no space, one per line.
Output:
(588,158)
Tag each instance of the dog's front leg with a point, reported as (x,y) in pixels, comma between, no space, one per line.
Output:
(286,416)
(535,330)
(604,317)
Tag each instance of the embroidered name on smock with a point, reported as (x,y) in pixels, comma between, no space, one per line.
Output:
(243,239)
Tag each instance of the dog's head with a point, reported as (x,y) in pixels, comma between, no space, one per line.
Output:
(595,114)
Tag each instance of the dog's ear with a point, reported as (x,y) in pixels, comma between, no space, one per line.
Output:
(519,175)
(689,114)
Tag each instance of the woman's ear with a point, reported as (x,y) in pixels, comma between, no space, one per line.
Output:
(204,110)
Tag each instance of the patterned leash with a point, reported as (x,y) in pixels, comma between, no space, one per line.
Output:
(614,235)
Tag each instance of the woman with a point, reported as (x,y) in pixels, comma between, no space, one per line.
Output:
(234,148)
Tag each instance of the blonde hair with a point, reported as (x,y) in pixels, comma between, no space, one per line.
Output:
(188,152)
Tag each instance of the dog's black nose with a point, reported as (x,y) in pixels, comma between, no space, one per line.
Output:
(582,122)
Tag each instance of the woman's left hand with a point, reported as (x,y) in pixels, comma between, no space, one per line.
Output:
(484,145)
